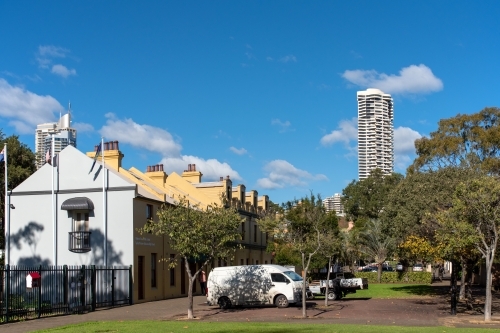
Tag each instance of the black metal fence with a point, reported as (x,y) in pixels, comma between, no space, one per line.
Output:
(34,292)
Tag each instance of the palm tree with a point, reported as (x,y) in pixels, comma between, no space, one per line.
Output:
(376,244)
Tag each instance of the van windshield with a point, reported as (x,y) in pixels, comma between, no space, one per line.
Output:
(292,275)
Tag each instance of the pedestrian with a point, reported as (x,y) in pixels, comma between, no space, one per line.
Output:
(202,277)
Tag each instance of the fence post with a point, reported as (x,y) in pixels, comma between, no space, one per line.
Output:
(40,292)
(65,285)
(113,286)
(93,281)
(7,291)
(82,288)
(130,285)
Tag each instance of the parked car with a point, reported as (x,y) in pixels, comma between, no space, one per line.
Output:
(418,268)
(370,269)
(399,267)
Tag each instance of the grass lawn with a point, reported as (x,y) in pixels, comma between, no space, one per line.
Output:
(393,291)
(226,327)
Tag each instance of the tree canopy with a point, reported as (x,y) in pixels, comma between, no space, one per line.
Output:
(198,234)
(466,140)
(365,199)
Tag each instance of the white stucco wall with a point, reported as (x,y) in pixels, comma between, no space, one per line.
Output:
(31,222)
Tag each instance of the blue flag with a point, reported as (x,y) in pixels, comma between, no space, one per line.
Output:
(2,155)
(95,157)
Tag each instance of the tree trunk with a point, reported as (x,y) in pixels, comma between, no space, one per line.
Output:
(304,277)
(190,290)
(487,303)
(463,262)
(379,273)
(328,280)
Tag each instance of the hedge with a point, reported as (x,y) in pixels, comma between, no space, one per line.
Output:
(397,277)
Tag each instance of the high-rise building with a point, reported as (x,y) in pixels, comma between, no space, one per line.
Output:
(334,203)
(64,135)
(375,132)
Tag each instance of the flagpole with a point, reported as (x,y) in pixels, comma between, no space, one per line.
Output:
(6,209)
(105,224)
(54,225)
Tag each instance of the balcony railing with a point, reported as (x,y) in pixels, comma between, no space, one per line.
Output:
(79,241)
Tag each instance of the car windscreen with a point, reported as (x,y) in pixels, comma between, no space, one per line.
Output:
(292,275)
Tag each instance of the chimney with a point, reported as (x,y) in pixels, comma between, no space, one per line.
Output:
(221,179)
(112,155)
(156,174)
(191,175)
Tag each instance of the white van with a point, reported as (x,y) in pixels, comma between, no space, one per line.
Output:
(253,285)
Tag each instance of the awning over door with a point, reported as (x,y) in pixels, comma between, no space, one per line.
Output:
(78,203)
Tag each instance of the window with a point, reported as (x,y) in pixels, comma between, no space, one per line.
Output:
(256,262)
(80,221)
(219,262)
(172,271)
(265,262)
(248,261)
(153,270)
(242,231)
(149,212)
(255,234)
(242,262)
(278,277)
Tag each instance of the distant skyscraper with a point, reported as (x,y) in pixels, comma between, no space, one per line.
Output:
(375,132)
(64,135)
(334,203)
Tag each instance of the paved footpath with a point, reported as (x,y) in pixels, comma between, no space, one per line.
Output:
(429,311)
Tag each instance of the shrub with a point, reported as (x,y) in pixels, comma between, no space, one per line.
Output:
(397,277)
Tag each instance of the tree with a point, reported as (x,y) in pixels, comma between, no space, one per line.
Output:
(365,199)
(471,141)
(477,202)
(21,165)
(413,203)
(198,234)
(376,244)
(300,224)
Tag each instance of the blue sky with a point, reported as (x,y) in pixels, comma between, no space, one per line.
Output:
(262,91)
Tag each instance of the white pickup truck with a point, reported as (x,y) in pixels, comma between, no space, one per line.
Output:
(341,285)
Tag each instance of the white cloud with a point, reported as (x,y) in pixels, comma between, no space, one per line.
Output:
(83,127)
(52,51)
(269,58)
(147,137)
(404,140)
(348,131)
(288,58)
(25,109)
(282,174)
(160,141)
(46,55)
(404,147)
(410,80)
(63,71)
(284,125)
(241,151)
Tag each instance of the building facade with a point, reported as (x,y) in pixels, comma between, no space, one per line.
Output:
(64,135)
(93,217)
(334,203)
(375,132)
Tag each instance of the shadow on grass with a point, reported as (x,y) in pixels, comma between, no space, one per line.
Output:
(422,290)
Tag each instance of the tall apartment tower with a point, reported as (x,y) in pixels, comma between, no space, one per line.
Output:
(64,136)
(334,203)
(375,132)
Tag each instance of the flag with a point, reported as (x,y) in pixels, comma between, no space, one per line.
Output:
(47,157)
(95,157)
(2,155)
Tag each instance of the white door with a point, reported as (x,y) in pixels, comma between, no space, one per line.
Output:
(281,285)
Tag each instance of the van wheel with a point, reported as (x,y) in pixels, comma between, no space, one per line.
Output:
(281,301)
(224,303)
(332,296)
